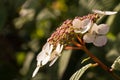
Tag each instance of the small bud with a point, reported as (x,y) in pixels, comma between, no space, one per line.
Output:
(100,41)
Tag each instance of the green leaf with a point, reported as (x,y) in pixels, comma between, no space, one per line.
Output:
(116,64)
(77,75)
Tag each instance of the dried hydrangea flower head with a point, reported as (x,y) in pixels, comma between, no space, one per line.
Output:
(85,27)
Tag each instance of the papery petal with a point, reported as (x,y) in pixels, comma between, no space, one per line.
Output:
(104,12)
(53,61)
(41,56)
(87,23)
(55,54)
(100,41)
(36,71)
(77,23)
(82,26)
(88,38)
(45,60)
(59,48)
(94,28)
(102,29)
(47,48)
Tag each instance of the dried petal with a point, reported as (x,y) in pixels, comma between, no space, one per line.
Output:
(100,41)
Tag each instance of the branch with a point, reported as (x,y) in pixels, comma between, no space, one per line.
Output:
(102,65)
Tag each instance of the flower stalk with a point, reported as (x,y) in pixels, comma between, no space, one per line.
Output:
(102,65)
(95,59)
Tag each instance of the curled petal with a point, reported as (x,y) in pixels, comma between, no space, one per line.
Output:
(102,29)
(104,12)
(100,41)
(88,38)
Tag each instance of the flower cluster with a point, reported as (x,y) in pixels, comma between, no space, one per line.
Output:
(96,35)
(87,29)
(47,54)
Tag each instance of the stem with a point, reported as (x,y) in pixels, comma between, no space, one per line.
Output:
(102,65)
(95,59)
(70,47)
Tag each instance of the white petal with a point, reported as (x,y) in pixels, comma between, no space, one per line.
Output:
(88,38)
(47,48)
(53,61)
(77,23)
(59,48)
(45,60)
(87,23)
(41,56)
(100,41)
(50,49)
(81,26)
(94,28)
(35,71)
(104,12)
(102,29)
(44,56)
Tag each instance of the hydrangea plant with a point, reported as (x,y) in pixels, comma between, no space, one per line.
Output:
(84,29)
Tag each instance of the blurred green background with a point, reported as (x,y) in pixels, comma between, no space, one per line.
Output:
(25,26)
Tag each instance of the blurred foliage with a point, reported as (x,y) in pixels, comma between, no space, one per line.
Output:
(25,26)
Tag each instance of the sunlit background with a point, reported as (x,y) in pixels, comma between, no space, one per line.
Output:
(25,26)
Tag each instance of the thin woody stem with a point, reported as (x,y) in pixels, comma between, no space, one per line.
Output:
(82,46)
(102,65)
(95,59)
(70,47)
(77,44)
